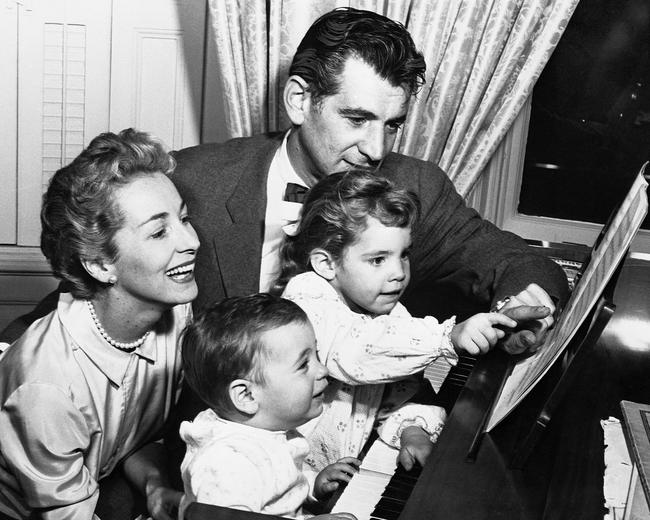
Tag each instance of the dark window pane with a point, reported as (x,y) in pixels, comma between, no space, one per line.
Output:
(589,131)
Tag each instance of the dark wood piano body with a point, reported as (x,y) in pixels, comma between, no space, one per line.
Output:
(563,476)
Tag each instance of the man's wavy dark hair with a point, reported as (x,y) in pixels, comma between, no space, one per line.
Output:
(345,32)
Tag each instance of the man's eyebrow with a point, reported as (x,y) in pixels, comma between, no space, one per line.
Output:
(367,114)
(357,112)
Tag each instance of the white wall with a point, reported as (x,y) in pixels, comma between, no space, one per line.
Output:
(73,69)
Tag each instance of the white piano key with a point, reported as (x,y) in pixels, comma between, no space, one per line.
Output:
(436,373)
(365,488)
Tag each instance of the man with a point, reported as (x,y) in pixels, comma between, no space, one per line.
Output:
(347,95)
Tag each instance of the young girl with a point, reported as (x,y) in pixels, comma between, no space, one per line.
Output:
(347,265)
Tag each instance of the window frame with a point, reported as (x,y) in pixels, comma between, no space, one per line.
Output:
(497,196)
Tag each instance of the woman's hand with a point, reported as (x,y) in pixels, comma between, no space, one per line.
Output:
(145,469)
(162,502)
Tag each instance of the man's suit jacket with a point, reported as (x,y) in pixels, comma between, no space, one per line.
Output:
(460,262)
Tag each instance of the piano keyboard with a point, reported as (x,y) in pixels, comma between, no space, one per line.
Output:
(436,373)
(458,375)
(380,489)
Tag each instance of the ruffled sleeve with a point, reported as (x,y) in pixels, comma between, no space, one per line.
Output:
(428,417)
(359,349)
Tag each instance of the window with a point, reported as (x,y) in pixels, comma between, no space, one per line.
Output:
(559,177)
(589,130)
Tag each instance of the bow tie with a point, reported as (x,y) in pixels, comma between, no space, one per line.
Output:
(295,193)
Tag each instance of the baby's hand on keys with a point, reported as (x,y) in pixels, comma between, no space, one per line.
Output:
(335,516)
(478,334)
(328,480)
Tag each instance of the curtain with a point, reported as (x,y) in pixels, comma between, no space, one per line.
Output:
(483,58)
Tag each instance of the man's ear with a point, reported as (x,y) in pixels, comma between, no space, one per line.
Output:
(100,270)
(323,264)
(297,99)
(242,396)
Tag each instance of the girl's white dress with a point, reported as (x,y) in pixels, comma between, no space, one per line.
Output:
(375,363)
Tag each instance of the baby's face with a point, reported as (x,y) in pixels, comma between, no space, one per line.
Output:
(295,380)
(373,273)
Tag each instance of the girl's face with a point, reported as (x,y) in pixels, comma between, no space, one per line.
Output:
(373,272)
(156,246)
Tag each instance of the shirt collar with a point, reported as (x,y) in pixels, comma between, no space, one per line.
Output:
(286,171)
(75,318)
(249,430)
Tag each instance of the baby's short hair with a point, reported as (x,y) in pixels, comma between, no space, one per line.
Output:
(224,343)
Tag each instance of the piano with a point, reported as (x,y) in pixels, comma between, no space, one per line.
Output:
(563,475)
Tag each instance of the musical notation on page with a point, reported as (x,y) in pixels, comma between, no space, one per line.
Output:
(615,240)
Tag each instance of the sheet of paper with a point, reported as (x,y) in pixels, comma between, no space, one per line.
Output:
(615,241)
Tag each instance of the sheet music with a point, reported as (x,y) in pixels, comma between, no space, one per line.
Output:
(605,257)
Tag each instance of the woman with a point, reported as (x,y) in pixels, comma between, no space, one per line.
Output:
(86,390)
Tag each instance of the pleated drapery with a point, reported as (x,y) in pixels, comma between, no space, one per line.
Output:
(483,59)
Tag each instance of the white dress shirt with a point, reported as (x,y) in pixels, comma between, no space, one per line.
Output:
(278,213)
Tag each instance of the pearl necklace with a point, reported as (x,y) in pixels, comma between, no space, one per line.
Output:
(127,347)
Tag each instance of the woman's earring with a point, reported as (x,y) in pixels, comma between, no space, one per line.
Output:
(112,279)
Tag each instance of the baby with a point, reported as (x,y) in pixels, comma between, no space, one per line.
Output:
(253,360)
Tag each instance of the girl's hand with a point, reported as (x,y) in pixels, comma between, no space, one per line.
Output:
(478,334)
(327,481)
(415,447)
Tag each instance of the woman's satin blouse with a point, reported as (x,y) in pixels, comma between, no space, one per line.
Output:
(73,407)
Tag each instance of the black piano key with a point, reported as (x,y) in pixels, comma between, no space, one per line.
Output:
(396,494)
(390,504)
(385,514)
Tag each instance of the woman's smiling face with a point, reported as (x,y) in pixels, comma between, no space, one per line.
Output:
(156,245)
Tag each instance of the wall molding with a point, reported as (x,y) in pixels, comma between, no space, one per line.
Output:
(16,261)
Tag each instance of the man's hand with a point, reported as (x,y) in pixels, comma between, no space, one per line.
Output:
(533,310)
(415,447)
(327,481)
(478,334)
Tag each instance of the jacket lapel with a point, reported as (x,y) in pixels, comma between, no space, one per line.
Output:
(238,245)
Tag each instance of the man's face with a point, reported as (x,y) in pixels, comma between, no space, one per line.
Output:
(355,127)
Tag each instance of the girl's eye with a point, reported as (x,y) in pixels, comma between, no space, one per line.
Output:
(186,219)
(377,261)
(304,365)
